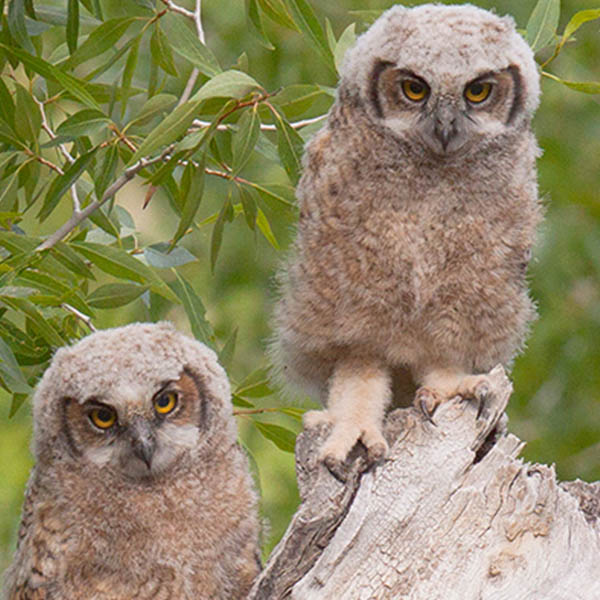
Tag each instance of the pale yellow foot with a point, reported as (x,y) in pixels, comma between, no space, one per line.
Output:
(443,384)
(358,395)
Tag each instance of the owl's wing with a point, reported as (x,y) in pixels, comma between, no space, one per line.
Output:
(34,570)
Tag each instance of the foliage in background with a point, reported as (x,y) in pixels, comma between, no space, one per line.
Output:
(109,107)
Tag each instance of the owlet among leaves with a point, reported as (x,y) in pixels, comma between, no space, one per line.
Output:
(140,489)
(418,210)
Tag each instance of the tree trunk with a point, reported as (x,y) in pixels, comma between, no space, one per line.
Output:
(452,513)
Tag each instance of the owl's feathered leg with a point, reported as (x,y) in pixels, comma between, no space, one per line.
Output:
(359,392)
(439,385)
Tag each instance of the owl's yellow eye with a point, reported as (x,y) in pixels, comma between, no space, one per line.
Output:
(103,417)
(165,403)
(477,92)
(414,90)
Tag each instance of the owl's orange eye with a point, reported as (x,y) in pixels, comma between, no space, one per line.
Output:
(478,92)
(103,417)
(165,403)
(414,90)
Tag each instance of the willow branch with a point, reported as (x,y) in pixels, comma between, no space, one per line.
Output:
(264,126)
(80,215)
(63,150)
(189,86)
(83,318)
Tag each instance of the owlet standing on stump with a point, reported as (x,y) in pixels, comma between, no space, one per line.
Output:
(140,489)
(418,210)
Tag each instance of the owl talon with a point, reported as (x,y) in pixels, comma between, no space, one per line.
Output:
(427,400)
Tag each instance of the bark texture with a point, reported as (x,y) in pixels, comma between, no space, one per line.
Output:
(452,513)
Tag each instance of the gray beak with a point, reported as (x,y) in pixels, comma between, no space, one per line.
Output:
(445,124)
(143,441)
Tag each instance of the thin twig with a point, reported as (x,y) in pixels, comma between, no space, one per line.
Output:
(63,149)
(241,412)
(80,215)
(264,126)
(178,9)
(83,318)
(189,86)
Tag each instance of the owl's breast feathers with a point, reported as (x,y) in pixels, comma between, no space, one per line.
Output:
(392,242)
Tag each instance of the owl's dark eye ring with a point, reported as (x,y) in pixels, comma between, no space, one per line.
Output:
(103,417)
(415,90)
(166,402)
(478,91)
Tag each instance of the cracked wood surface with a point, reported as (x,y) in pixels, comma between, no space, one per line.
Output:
(452,513)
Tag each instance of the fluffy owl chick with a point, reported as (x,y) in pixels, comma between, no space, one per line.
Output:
(140,489)
(418,208)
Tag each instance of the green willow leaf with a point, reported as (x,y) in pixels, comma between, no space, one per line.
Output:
(542,24)
(128,71)
(290,147)
(577,20)
(308,24)
(153,107)
(249,205)
(63,182)
(16,24)
(587,87)
(69,259)
(194,309)
(7,106)
(185,42)
(103,38)
(245,138)
(278,12)
(28,119)
(120,264)
(160,48)
(113,295)
(193,184)
(256,25)
(346,41)
(85,122)
(74,86)
(10,371)
(283,438)
(41,325)
(72,25)
(107,170)
(225,214)
(265,229)
(227,351)
(225,85)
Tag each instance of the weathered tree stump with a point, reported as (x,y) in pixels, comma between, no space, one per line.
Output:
(452,513)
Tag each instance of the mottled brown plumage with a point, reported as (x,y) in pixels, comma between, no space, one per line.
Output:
(418,210)
(158,504)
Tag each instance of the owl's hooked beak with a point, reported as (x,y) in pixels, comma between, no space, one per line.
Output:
(143,441)
(444,129)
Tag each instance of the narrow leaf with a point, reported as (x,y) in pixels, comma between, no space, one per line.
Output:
(28,119)
(160,48)
(158,257)
(7,106)
(290,146)
(283,438)
(63,182)
(72,25)
(346,41)
(245,138)
(265,229)
(191,202)
(226,353)
(587,87)
(194,309)
(307,23)
(249,205)
(45,69)
(186,43)
(113,295)
(542,24)
(256,24)
(278,12)
(85,122)
(128,71)
(10,371)
(217,233)
(67,257)
(107,171)
(577,20)
(99,41)
(153,107)
(16,24)
(42,325)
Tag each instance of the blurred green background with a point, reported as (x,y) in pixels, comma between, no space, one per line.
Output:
(556,404)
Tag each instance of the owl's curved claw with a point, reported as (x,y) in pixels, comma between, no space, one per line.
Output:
(427,401)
